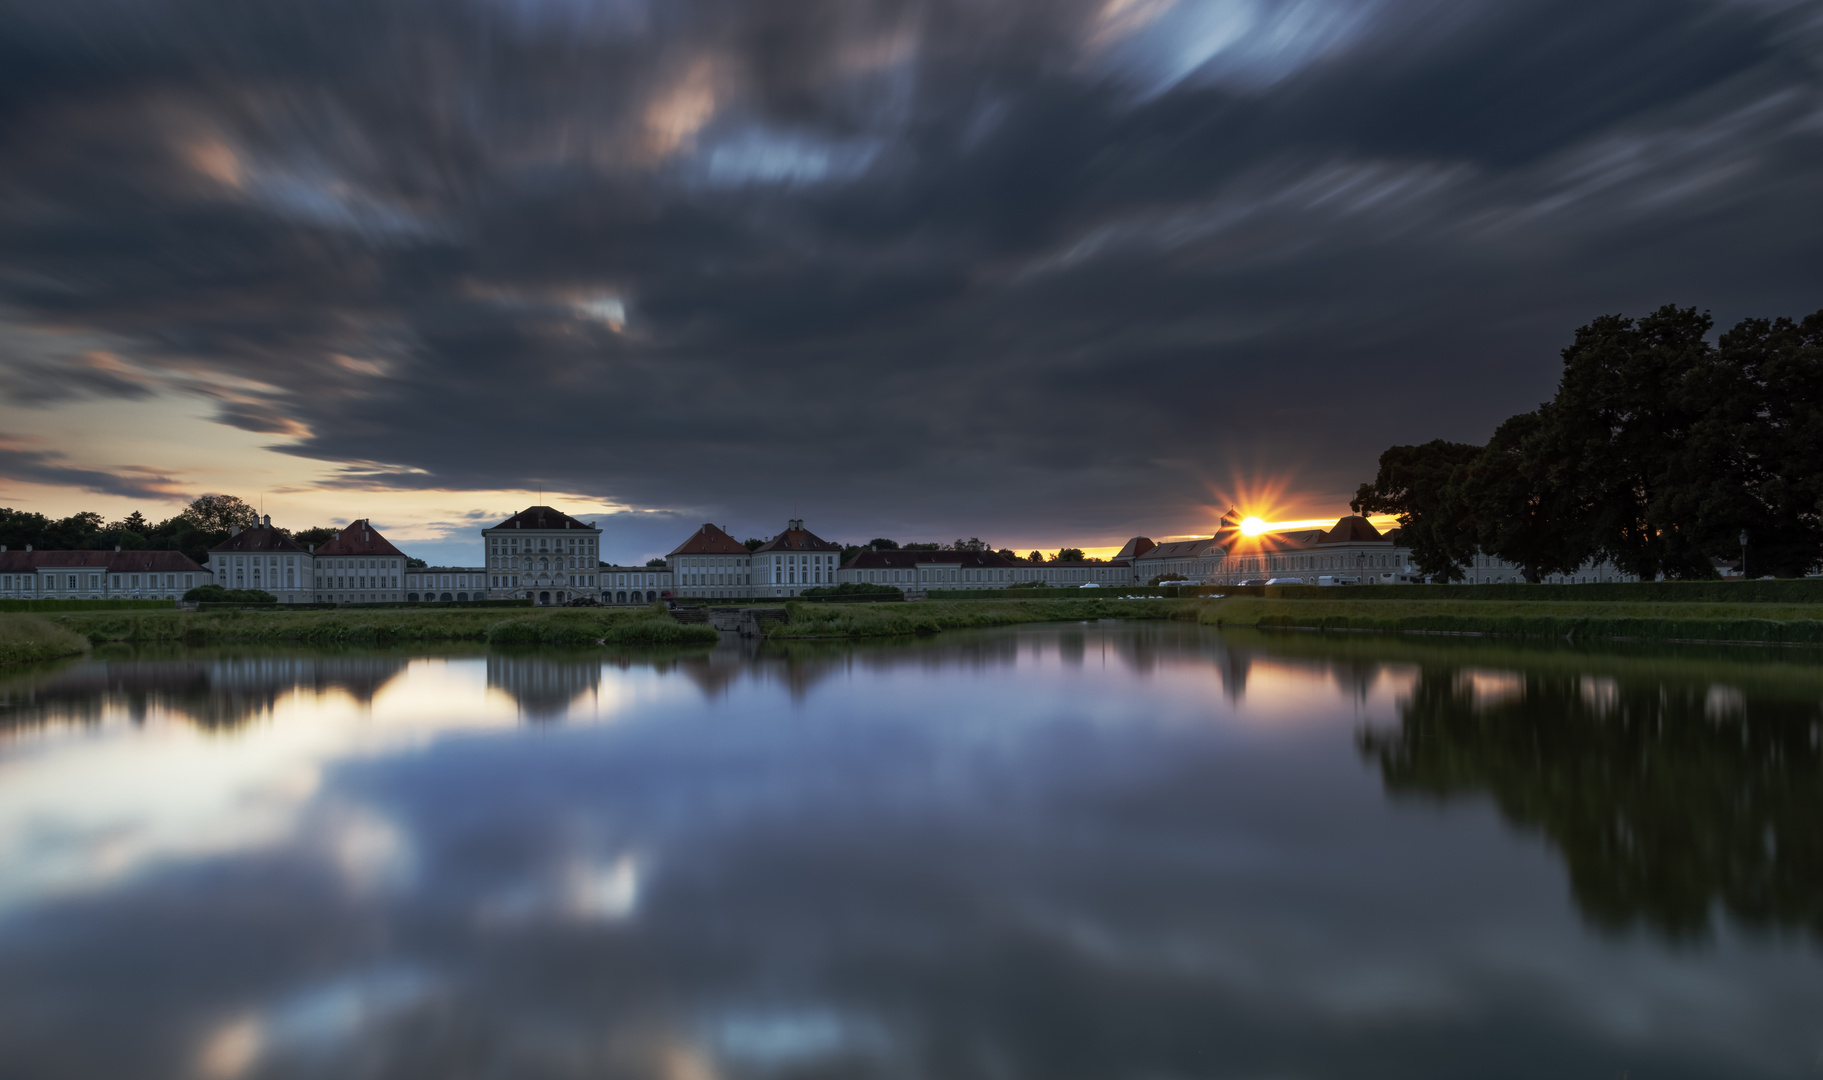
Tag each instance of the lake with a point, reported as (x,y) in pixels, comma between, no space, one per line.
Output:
(1096,850)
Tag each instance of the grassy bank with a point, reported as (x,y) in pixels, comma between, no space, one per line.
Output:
(1770,623)
(935,616)
(1751,622)
(562,626)
(25,638)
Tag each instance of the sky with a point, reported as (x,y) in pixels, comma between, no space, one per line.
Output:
(1041,272)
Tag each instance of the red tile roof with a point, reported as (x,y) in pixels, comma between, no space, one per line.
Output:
(359,538)
(1352,529)
(710,540)
(113,562)
(1136,547)
(542,517)
(898,560)
(261,538)
(1181,549)
(797,538)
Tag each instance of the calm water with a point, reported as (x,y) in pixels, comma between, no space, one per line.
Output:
(1079,851)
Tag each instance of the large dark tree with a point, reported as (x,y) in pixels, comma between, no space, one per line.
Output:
(1521,502)
(1626,416)
(1657,453)
(1766,425)
(1425,487)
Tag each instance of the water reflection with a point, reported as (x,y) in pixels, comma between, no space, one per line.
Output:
(221,689)
(1087,850)
(1668,795)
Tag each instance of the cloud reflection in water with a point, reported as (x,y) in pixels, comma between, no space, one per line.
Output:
(1059,851)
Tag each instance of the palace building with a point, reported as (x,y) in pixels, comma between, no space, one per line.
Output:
(711,565)
(542,555)
(359,566)
(793,561)
(264,558)
(98,575)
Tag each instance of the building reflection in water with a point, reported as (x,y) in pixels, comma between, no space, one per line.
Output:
(545,687)
(222,689)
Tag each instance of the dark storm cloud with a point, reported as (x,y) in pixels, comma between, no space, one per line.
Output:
(1015,268)
(44,467)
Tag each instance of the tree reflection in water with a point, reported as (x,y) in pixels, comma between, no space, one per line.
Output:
(1666,797)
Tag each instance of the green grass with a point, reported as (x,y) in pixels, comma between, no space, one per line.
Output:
(25,638)
(1787,623)
(935,616)
(1755,622)
(562,626)
(1779,623)
(88,605)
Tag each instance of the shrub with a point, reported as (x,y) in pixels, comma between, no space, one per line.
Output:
(215,594)
(852,589)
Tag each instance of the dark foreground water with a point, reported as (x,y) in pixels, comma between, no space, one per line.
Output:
(1085,851)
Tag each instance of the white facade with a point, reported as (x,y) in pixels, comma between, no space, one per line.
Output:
(634,584)
(358,579)
(542,555)
(711,565)
(266,559)
(722,576)
(98,575)
(444,583)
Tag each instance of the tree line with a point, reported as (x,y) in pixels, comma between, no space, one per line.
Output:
(193,530)
(1659,452)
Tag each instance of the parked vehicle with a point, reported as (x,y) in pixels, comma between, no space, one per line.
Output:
(1286,581)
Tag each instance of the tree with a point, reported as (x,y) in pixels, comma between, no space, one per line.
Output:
(1008,553)
(933,546)
(415,564)
(655,562)
(753,543)
(219,513)
(78,532)
(1521,510)
(21,527)
(1625,418)
(1424,487)
(1769,387)
(881,543)
(321,534)
(1068,554)
(1035,558)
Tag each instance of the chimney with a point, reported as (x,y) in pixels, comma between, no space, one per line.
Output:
(313,549)
(234,530)
(28,547)
(116,547)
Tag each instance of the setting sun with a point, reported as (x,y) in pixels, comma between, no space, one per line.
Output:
(1252,526)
